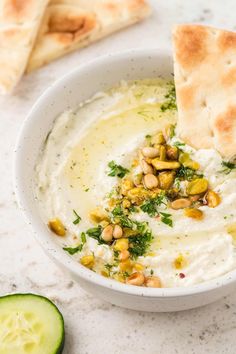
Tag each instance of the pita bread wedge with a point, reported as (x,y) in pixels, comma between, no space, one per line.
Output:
(72,24)
(205,80)
(19,23)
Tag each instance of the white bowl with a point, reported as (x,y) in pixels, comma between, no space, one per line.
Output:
(68,92)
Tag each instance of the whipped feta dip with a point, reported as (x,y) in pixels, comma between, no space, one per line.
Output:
(72,176)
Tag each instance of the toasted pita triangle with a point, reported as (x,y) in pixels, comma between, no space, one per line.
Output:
(19,23)
(72,24)
(205,80)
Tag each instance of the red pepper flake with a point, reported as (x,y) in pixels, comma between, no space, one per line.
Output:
(181,275)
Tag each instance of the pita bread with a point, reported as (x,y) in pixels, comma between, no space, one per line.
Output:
(19,23)
(205,80)
(72,24)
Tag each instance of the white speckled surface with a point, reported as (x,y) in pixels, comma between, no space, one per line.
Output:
(93,326)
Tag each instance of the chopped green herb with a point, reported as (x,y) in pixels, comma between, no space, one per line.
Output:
(78,218)
(140,243)
(108,267)
(172,131)
(126,274)
(227,167)
(126,222)
(166,219)
(177,182)
(148,138)
(143,235)
(187,173)
(150,206)
(178,144)
(151,272)
(118,213)
(170,103)
(117,170)
(95,232)
(116,254)
(73,250)
(133,209)
(86,190)
(112,193)
(83,237)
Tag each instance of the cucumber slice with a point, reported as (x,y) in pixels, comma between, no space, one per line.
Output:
(30,324)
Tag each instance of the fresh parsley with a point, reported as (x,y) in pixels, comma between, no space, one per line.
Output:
(166,219)
(227,167)
(170,103)
(185,173)
(96,232)
(150,206)
(133,209)
(126,222)
(117,170)
(117,211)
(78,218)
(148,138)
(141,235)
(172,131)
(177,182)
(178,144)
(73,250)
(108,267)
(140,243)
(83,238)
(116,255)
(118,214)
(125,274)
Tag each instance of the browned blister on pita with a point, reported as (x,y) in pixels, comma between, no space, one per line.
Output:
(205,73)
(72,24)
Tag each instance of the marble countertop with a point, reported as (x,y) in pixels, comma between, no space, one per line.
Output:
(93,326)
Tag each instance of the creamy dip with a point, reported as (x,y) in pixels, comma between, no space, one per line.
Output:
(72,178)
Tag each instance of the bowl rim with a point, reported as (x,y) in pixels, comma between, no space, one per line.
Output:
(50,246)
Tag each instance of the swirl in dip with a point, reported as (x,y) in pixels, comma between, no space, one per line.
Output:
(129,199)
